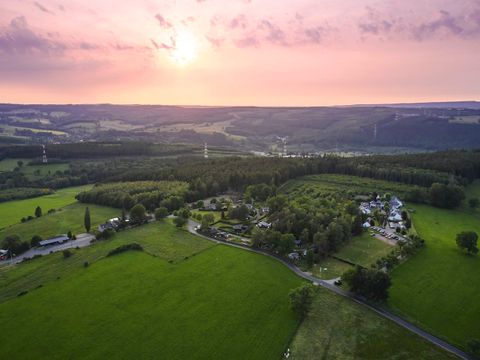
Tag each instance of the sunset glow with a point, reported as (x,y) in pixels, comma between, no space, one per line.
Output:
(258,52)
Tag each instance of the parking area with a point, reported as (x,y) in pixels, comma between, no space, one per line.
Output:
(386,235)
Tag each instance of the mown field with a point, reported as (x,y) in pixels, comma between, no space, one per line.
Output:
(12,211)
(183,298)
(439,287)
(337,328)
(61,221)
(363,250)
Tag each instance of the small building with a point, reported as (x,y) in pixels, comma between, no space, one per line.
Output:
(264,225)
(54,241)
(395,217)
(366,224)
(3,254)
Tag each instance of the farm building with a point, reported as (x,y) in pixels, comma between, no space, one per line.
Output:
(56,240)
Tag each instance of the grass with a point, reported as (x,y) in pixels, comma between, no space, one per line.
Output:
(337,328)
(222,303)
(330,268)
(364,250)
(216,214)
(439,287)
(13,211)
(67,218)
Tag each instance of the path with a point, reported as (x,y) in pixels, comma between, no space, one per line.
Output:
(326,284)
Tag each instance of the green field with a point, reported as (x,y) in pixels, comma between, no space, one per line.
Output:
(222,303)
(67,218)
(28,170)
(337,328)
(440,287)
(216,214)
(364,250)
(12,211)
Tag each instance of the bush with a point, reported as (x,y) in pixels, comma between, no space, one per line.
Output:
(66,253)
(51,211)
(301,299)
(180,221)
(126,247)
(138,214)
(86,264)
(161,213)
(35,240)
(105,234)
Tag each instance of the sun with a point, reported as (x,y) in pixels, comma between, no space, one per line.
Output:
(185,50)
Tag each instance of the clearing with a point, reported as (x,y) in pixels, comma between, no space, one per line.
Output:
(13,211)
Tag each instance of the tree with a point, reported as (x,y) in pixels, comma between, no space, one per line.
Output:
(38,211)
(446,196)
(86,220)
(20,163)
(467,240)
(180,221)
(70,234)
(67,253)
(14,245)
(309,258)
(301,299)
(370,283)
(35,240)
(473,203)
(287,243)
(161,213)
(138,214)
(207,220)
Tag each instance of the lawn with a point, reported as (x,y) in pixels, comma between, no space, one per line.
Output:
(337,328)
(13,211)
(364,250)
(223,303)
(216,214)
(440,287)
(67,218)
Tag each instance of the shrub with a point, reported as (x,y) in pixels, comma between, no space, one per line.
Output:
(51,211)
(21,293)
(126,247)
(86,264)
(35,240)
(301,299)
(66,253)
(105,234)
(161,212)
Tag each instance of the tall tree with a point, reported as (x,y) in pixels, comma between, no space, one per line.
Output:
(38,211)
(468,240)
(86,220)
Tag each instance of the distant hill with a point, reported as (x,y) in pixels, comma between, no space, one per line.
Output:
(364,128)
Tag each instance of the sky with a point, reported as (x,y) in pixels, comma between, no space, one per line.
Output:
(239,52)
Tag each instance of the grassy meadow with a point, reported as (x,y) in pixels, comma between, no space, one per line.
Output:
(29,170)
(439,287)
(13,211)
(67,218)
(161,303)
(337,328)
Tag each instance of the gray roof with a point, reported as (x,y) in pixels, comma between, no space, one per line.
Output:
(57,239)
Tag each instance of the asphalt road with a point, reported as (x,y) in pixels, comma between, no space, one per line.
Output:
(379,310)
(82,241)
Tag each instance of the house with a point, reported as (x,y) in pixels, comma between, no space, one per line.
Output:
(265,210)
(113,223)
(56,240)
(395,217)
(264,225)
(298,242)
(210,207)
(395,203)
(366,224)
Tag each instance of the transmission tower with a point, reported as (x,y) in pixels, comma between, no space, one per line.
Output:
(44,155)
(205,151)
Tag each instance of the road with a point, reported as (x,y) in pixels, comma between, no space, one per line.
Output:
(379,310)
(82,241)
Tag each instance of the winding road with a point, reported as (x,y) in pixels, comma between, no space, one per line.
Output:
(379,310)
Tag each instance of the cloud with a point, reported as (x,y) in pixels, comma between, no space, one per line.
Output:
(18,38)
(247,41)
(42,8)
(163,22)
(444,22)
(239,21)
(274,35)
(315,34)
